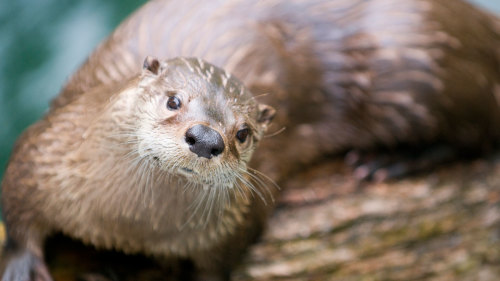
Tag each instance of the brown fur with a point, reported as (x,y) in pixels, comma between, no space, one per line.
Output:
(106,168)
(343,74)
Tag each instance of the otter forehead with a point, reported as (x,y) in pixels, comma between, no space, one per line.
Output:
(202,74)
(211,91)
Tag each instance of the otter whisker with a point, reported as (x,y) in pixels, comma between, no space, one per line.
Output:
(275,133)
(252,187)
(208,207)
(197,202)
(260,174)
(259,178)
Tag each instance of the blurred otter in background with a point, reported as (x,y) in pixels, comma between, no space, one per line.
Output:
(343,75)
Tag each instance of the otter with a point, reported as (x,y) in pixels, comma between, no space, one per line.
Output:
(344,75)
(154,165)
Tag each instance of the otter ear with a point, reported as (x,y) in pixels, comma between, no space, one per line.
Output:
(266,114)
(152,65)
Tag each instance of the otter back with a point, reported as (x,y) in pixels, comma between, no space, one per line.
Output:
(345,74)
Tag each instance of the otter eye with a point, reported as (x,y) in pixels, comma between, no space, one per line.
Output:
(242,135)
(173,103)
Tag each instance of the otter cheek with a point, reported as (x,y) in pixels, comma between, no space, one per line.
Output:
(246,156)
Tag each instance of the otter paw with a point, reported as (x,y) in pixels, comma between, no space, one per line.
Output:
(26,267)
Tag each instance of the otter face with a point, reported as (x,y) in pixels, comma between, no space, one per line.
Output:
(197,122)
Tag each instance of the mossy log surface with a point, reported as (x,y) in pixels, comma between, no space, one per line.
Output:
(442,225)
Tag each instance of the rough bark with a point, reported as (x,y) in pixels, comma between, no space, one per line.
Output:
(443,225)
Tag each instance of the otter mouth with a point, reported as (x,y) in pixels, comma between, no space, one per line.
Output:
(195,177)
(187,170)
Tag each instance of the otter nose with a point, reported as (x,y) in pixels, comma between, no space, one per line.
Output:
(204,141)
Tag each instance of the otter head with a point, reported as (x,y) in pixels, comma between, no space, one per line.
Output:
(196,122)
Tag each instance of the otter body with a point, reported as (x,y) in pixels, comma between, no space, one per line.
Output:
(155,165)
(343,74)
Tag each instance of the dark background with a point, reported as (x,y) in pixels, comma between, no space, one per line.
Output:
(42,42)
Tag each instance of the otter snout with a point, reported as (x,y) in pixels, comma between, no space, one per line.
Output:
(204,141)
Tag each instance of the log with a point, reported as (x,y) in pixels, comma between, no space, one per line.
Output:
(442,225)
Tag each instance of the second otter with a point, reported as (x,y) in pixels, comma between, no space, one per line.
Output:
(155,166)
(343,74)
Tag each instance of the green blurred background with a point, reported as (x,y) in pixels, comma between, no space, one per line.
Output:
(43,41)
